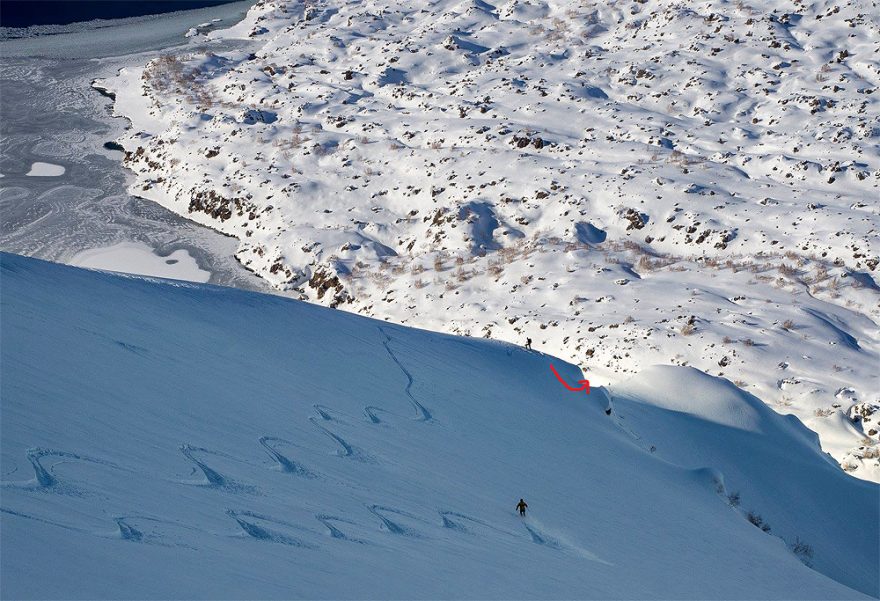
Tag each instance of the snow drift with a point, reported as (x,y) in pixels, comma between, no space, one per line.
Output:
(163,439)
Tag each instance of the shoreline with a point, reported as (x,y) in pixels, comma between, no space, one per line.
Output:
(118,38)
(25,14)
(90,183)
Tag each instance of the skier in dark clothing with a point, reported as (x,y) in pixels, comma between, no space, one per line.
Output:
(522,507)
(529,343)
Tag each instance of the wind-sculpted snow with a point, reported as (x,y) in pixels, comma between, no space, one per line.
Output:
(625,183)
(260,447)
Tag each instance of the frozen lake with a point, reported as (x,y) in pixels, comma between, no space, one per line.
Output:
(63,193)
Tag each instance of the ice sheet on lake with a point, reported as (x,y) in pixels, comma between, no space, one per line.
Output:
(41,169)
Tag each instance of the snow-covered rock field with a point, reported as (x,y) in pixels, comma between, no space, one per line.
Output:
(625,183)
(162,439)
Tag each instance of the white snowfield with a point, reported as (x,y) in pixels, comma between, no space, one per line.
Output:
(626,183)
(163,439)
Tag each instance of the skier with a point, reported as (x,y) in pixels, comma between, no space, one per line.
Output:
(522,507)
(529,343)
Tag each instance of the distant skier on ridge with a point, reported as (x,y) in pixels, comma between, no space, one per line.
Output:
(529,343)
(522,507)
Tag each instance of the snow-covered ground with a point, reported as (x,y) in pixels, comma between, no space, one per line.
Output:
(131,257)
(626,183)
(164,439)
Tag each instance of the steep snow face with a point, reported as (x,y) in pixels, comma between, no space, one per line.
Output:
(730,430)
(163,439)
(625,183)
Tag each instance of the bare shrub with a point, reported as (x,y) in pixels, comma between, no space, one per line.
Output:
(758,521)
(802,550)
(462,275)
(508,254)
(788,324)
(788,270)
(169,76)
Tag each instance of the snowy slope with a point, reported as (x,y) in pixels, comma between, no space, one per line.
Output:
(627,183)
(166,439)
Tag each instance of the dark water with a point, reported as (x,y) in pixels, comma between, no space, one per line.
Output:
(25,13)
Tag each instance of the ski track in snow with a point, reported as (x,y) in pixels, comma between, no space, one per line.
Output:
(284,464)
(557,541)
(42,520)
(129,532)
(150,530)
(542,539)
(326,413)
(450,523)
(392,526)
(213,478)
(335,532)
(45,479)
(247,520)
(371,413)
(424,414)
(345,449)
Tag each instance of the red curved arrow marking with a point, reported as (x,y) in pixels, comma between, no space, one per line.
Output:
(585,387)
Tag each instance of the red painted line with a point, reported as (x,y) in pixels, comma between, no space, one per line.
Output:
(585,387)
